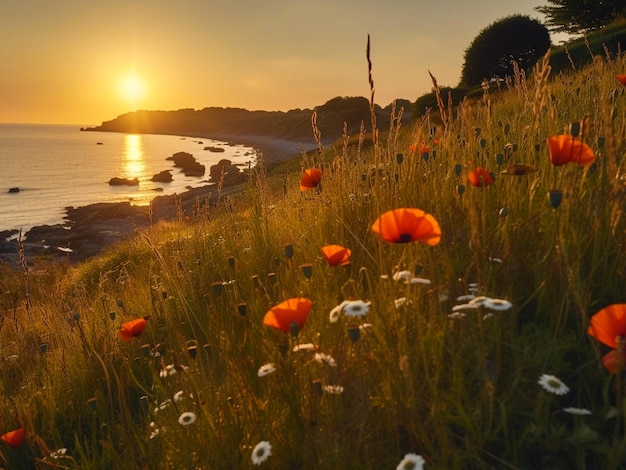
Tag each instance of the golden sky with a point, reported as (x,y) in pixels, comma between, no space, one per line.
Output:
(84,62)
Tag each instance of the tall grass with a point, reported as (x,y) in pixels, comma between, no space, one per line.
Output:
(460,390)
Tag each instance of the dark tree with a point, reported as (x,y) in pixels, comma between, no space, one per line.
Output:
(515,38)
(578,16)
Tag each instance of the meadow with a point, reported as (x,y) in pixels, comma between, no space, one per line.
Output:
(451,336)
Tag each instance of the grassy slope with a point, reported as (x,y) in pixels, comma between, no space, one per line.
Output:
(462,392)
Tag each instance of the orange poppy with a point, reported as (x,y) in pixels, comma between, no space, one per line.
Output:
(480,177)
(565,148)
(622,79)
(609,324)
(285,313)
(407,225)
(14,438)
(612,362)
(131,329)
(311,178)
(336,254)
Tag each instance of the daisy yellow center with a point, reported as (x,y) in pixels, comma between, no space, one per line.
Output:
(409,466)
(554,383)
(260,452)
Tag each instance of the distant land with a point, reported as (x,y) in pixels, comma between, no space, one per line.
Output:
(238,124)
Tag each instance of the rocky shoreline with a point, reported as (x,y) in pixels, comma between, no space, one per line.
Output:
(90,229)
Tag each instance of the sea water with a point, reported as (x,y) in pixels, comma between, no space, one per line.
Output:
(56,166)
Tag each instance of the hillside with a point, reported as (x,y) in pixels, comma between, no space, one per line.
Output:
(293,125)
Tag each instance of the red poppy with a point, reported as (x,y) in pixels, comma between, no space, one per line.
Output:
(285,313)
(336,254)
(131,329)
(407,225)
(311,178)
(622,79)
(612,362)
(14,438)
(565,148)
(480,177)
(609,324)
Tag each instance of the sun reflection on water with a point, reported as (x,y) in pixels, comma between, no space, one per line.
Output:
(134,163)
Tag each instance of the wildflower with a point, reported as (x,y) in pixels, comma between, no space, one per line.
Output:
(311,178)
(14,438)
(303,347)
(497,304)
(479,177)
(403,276)
(577,411)
(336,255)
(59,453)
(261,452)
(405,225)
(419,280)
(613,362)
(355,308)
(464,298)
(411,462)
(163,405)
(325,359)
(622,79)
(187,418)
(168,370)
(552,384)
(565,148)
(294,310)
(402,302)
(456,315)
(609,324)
(479,300)
(266,369)
(132,329)
(335,312)
(178,396)
(462,307)
(333,389)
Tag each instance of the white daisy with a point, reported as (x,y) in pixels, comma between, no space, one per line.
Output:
(465,298)
(478,301)
(266,369)
(261,452)
(187,418)
(462,307)
(577,411)
(456,315)
(333,389)
(303,347)
(403,276)
(497,304)
(57,454)
(325,359)
(411,462)
(552,384)
(178,396)
(402,302)
(335,312)
(420,280)
(355,308)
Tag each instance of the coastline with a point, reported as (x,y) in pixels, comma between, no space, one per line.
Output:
(90,229)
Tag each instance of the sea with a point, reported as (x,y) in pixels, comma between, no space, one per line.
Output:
(46,168)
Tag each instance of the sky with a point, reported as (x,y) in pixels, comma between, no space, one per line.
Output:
(83,62)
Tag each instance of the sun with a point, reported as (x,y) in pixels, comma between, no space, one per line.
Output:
(132,88)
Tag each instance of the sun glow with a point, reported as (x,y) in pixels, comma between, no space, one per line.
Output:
(134,164)
(132,88)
